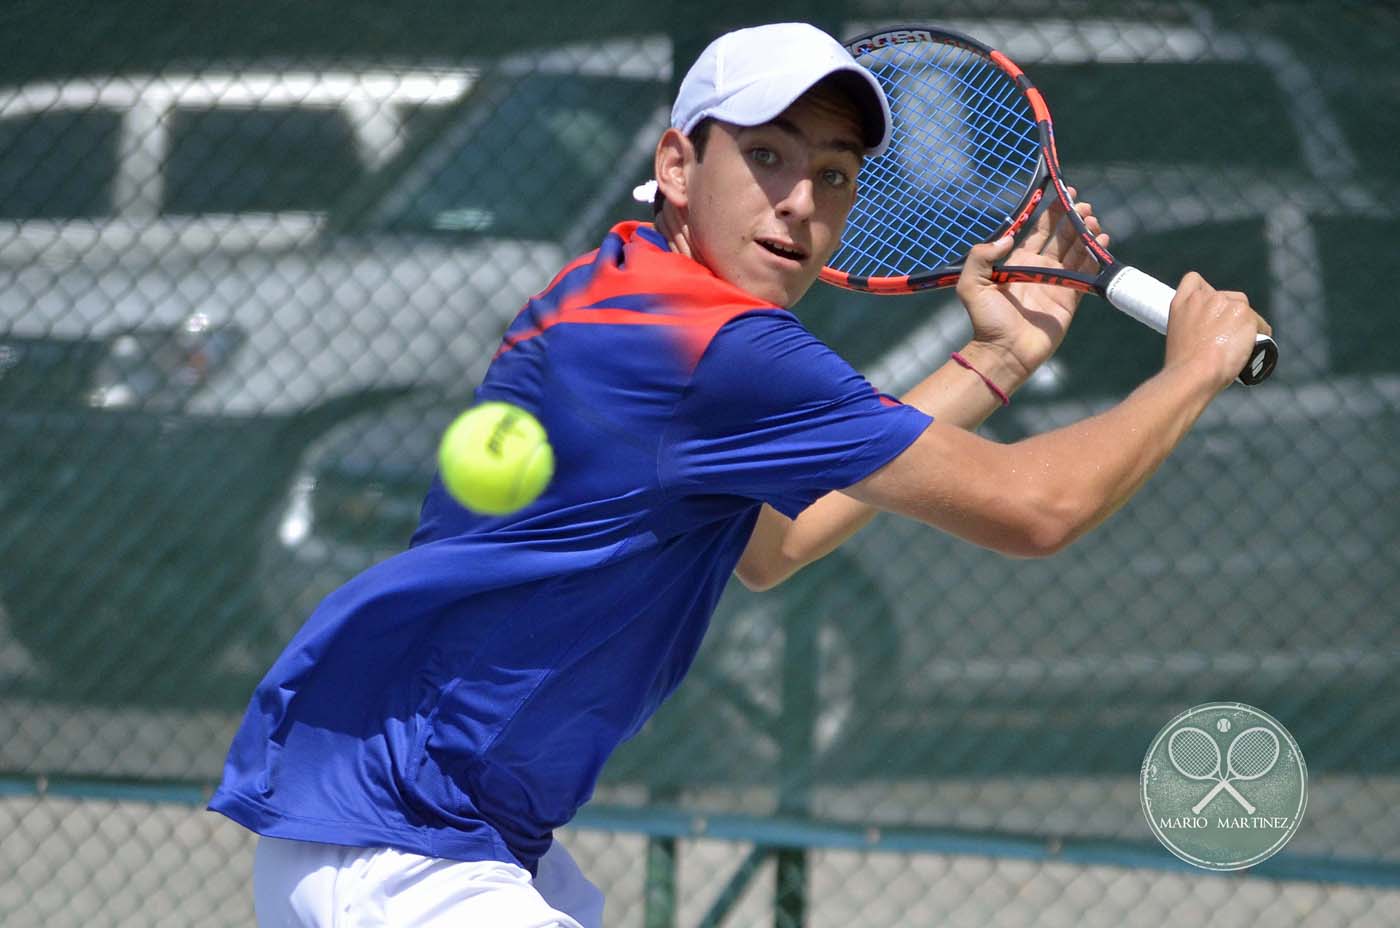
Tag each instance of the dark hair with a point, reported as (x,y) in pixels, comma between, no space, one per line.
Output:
(699,137)
(851,91)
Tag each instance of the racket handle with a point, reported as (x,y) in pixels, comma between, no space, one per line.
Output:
(1149,301)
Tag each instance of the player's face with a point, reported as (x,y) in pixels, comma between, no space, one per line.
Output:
(766,204)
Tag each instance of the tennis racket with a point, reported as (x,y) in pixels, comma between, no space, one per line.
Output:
(1253,753)
(971,156)
(1196,756)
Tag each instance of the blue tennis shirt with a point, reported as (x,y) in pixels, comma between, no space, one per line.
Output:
(459,700)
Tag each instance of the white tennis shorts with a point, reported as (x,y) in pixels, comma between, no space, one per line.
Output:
(299,884)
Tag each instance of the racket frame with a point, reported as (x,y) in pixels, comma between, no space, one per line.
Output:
(1131,291)
(1047,169)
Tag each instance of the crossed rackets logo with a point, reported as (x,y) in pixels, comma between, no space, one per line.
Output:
(1194,759)
(1196,755)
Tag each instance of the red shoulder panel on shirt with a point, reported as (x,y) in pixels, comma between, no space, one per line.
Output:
(694,301)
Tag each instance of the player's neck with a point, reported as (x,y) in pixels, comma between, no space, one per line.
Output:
(674,230)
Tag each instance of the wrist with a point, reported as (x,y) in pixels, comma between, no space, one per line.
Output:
(1002,396)
(1205,374)
(996,364)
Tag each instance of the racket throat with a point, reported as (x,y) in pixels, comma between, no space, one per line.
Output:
(1013,274)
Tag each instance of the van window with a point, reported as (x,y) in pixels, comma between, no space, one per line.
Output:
(58,165)
(419,122)
(530,166)
(231,160)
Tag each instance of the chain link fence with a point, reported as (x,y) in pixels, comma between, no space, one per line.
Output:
(253,259)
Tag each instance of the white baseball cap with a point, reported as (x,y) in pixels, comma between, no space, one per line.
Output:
(750,76)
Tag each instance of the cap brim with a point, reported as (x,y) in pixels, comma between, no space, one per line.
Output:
(765,100)
(875,113)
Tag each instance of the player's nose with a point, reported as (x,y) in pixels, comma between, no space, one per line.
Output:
(800,202)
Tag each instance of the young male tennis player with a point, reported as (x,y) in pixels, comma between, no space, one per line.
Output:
(409,756)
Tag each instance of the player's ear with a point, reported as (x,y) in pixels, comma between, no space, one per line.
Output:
(674,156)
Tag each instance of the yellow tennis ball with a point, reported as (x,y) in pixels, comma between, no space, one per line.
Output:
(495,458)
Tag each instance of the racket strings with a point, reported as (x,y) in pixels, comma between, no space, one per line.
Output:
(1194,753)
(964,152)
(937,151)
(1258,751)
(986,125)
(940,137)
(977,135)
(937,146)
(936,142)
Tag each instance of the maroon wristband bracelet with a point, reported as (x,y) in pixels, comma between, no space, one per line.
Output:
(1000,393)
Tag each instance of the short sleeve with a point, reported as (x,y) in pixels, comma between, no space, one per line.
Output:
(774,415)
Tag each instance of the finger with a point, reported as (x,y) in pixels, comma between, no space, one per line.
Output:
(1077,256)
(981,258)
(1191,281)
(1061,240)
(1066,234)
(1050,219)
(1242,299)
(1040,233)
(1080,258)
(977,267)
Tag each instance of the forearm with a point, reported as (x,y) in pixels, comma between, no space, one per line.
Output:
(1084,472)
(1033,497)
(780,546)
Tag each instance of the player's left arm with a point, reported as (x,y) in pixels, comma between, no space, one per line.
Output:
(1015,329)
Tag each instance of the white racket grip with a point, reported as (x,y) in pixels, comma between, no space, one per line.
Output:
(1149,301)
(1141,296)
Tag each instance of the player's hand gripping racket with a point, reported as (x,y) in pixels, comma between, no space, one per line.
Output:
(972,152)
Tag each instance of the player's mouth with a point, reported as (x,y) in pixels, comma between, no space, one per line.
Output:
(784,249)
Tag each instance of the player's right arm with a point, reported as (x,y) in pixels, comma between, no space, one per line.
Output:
(1033,497)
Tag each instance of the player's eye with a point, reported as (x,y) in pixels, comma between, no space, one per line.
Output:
(765,157)
(836,179)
